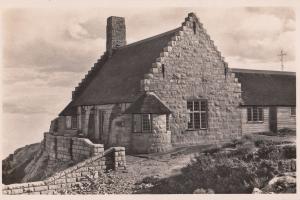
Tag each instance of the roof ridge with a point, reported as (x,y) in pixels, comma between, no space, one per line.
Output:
(257,71)
(149,38)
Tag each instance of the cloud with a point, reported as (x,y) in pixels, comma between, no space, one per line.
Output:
(16,108)
(252,35)
(279,12)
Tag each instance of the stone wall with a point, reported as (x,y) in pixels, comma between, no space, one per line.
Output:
(63,148)
(160,138)
(195,69)
(113,158)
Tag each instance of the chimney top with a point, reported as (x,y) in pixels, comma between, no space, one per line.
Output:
(115,33)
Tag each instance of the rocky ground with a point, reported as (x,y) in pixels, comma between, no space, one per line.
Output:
(178,171)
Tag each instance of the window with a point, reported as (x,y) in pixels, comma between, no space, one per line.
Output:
(293,111)
(68,122)
(197,114)
(142,123)
(255,114)
(74,122)
(194,27)
(168,122)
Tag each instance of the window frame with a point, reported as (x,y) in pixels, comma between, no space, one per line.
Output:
(200,111)
(74,122)
(260,119)
(293,111)
(142,130)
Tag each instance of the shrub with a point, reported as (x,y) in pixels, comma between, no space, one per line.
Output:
(277,152)
(286,131)
(289,151)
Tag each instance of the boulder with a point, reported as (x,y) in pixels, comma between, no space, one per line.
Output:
(257,191)
(284,183)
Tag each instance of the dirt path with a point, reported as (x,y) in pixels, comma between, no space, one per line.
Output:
(160,165)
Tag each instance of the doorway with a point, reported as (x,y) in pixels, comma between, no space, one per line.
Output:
(101,125)
(273,119)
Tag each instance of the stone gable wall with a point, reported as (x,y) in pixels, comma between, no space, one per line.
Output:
(113,158)
(195,69)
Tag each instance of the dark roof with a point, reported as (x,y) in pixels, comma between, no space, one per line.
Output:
(69,110)
(119,78)
(267,88)
(148,103)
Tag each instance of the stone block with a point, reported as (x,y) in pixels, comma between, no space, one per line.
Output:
(29,189)
(37,183)
(40,188)
(71,180)
(17,191)
(54,187)
(60,181)
(85,173)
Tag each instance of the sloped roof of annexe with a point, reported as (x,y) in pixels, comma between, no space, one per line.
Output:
(267,88)
(119,78)
(148,103)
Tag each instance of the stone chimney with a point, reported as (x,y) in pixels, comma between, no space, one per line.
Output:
(115,33)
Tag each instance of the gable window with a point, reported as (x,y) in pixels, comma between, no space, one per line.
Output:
(142,123)
(255,114)
(293,111)
(197,110)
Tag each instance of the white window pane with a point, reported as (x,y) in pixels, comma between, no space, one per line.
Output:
(146,122)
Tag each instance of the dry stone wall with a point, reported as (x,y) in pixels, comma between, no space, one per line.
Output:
(191,67)
(113,158)
(62,148)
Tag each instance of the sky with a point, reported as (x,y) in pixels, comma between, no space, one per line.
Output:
(46,52)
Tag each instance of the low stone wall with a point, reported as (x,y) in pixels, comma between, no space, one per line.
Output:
(113,158)
(65,148)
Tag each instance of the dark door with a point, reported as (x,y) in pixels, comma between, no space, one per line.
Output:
(91,127)
(101,122)
(273,119)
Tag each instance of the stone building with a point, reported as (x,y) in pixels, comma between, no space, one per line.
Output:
(173,89)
